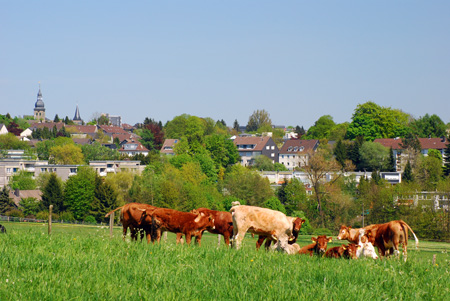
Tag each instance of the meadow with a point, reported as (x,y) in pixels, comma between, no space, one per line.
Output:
(84,263)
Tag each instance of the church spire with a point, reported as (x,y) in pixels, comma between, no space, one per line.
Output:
(77,118)
(39,108)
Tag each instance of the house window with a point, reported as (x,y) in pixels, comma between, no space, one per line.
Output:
(73,170)
(267,147)
(8,170)
(273,147)
(272,155)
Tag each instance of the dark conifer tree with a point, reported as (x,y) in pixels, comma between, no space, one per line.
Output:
(52,194)
(408,174)
(392,161)
(6,203)
(340,152)
(236,125)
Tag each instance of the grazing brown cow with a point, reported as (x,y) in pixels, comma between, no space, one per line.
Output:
(261,221)
(135,216)
(297,225)
(223,224)
(187,223)
(318,247)
(386,237)
(344,251)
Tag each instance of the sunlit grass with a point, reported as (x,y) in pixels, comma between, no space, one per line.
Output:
(79,262)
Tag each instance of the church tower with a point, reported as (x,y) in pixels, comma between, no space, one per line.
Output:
(77,118)
(39,109)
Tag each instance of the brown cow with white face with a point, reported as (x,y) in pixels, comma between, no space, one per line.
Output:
(296,226)
(261,221)
(187,223)
(318,247)
(386,237)
(135,216)
(343,251)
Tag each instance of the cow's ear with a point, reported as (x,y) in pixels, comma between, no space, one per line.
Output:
(303,221)
(349,227)
(194,211)
(330,239)
(313,239)
(344,247)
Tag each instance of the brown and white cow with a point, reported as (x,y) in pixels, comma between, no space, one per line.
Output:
(135,216)
(386,237)
(318,247)
(366,248)
(187,223)
(261,221)
(296,226)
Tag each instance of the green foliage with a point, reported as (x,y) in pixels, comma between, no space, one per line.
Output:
(428,126)
(293,196)
(259,119)
(6,203)
(22,180)
(263,163)
(434,153)
(79,192)
(68,154)
(372,121)
(104,200)
(30,206)
(391,166)
(14,213)
(446,167)
(374,156)
(90,219)
(222,150)
(52,194)
(9,141)
(66,216)
(274,204)
(340,152)
(408,175)
(229,200)
(428,172)
(96,151)
(321,128)
(247,185)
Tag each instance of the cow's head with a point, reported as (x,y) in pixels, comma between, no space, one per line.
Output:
(344,233)
(298,222)
(321,242)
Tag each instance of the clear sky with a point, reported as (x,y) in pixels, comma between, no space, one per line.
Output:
(298,60)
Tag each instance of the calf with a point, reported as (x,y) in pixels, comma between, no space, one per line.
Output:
(344,251)
(261,221)
(296,226)
(292,249)
(187,223)
(318,247)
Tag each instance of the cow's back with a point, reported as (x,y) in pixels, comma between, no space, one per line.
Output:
(259,220)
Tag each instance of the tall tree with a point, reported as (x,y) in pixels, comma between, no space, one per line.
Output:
(317,169)
(236,125)
(300,131)
(374,156)
(340,152)
(104,199)
(407,175)
(79,192)
(446,171)
(6,203)
(68,154)
(258,119)
(56,119)
(429,126)
(52,194)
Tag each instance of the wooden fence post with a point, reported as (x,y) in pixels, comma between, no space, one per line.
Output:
(50,209)
(111,224)
(434,259)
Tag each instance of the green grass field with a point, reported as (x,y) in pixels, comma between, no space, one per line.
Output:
(84,263)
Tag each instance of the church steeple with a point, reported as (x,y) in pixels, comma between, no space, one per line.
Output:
(77,118)
(39,108)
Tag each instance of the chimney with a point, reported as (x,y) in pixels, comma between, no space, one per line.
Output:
(16,192)
(443,139)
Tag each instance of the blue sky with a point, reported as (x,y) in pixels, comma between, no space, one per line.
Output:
(298,60)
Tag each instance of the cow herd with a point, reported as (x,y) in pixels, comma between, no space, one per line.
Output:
(271,226)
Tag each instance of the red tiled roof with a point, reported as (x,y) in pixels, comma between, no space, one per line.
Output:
(426,143)
(290,145)
(168,145)
(258,142)
(112,129)
(84,129)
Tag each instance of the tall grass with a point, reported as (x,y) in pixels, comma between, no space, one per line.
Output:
(81,263)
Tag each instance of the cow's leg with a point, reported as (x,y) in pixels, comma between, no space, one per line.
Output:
(125,228)
(268,243)
(239,237)
(179,237)
(226,238)
(198,238)
(188,238)
(260,241)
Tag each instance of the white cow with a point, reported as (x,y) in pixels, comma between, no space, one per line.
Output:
(261,221)
(366,248)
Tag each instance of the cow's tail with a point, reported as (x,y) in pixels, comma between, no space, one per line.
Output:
(109,213)
(408,227)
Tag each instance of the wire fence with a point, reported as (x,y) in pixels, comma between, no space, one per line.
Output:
(35,220)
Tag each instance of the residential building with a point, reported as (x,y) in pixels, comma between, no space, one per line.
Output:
(18,195)
(400,155)
(16,162)
(105,167)
(132,147)
(295,153)
(251,147)
(168,146)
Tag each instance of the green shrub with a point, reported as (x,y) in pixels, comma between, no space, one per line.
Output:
(90,219)
(14,213)
(66,216)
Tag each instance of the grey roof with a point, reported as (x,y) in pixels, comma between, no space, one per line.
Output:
(77,114)
(39,103)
